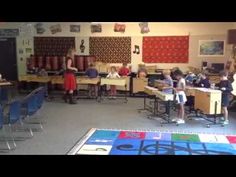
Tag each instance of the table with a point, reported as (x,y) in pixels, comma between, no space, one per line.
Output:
(207,104)
(112,81)
(139,84)
(4,86)
(159,98)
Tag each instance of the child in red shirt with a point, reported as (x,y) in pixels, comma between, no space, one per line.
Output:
(124,71)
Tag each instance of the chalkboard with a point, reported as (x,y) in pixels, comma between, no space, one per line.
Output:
(9,32)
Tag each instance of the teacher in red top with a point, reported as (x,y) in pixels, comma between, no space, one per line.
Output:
(69,77)
(124,71)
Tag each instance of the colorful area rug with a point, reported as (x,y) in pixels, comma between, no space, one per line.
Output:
(126,142)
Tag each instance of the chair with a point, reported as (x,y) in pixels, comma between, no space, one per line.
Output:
(32,104)
(3,129)
(13,118)
(3,96)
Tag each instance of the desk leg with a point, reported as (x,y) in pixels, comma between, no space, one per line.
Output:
(126,100)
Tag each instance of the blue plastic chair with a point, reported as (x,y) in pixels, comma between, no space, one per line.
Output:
(14,112)
(32,103)
(15,117)
(3,95)
(3,129)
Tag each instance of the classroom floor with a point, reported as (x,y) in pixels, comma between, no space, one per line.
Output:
(66,124)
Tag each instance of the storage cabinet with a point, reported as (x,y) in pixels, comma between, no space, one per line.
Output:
(139,84)
(207,99)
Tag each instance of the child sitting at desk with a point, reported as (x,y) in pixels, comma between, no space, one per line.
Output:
(44,73)
(142,71)
(190,78)
(124,71)
(226,87)
(113,74)
(92,72)
(180,96)
(204,81)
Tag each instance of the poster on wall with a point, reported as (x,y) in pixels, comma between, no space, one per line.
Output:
(75,28)
(211,48)
(21,51)
(96,28)
(28,50)
(39,28)
(26,29)
(56,29)
(144,27)
(118,27)
(9,32)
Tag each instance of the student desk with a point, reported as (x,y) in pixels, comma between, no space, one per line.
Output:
(207,104)
(4,94)
(88,81)
(36,79)
(112,81)
(159,98)
(139,84)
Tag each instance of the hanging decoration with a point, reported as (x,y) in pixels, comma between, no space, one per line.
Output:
(96,28)
(118,27)
(56,29)
(26,29)
(75,28)
(144,27)
(136,49)
(39,28)
(82,46)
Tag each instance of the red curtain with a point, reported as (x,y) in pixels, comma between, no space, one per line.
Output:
(166,49)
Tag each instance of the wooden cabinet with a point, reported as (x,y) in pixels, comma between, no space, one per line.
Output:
(214,78)
(127,84)
(206,99)
(139,84)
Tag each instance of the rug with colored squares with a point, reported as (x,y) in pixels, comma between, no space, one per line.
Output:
(128,142)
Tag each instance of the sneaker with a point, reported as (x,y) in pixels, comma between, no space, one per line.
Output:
(180,121)
(222,119)
(174,120)
(226,122)
(114,97)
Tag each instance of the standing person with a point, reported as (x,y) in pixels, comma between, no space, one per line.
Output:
(180,96)
(124,71)
(113,74)
(168,81)
(92,72)
(69,77)
(226,87)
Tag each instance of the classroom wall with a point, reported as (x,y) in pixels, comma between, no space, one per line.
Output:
(196,31)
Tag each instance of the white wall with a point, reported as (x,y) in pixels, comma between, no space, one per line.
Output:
(197,31)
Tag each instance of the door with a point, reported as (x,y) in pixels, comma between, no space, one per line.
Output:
(8,61)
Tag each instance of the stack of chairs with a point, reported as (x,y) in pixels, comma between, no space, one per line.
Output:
(19,117)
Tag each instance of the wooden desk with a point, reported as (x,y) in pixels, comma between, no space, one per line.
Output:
(164,96)
(57,80)
(214,78)
(207,99)
(150,90)
(190,91)
(35,78)
(127,84)
(2,84)
(139,84)
(86,80)
(116,81)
